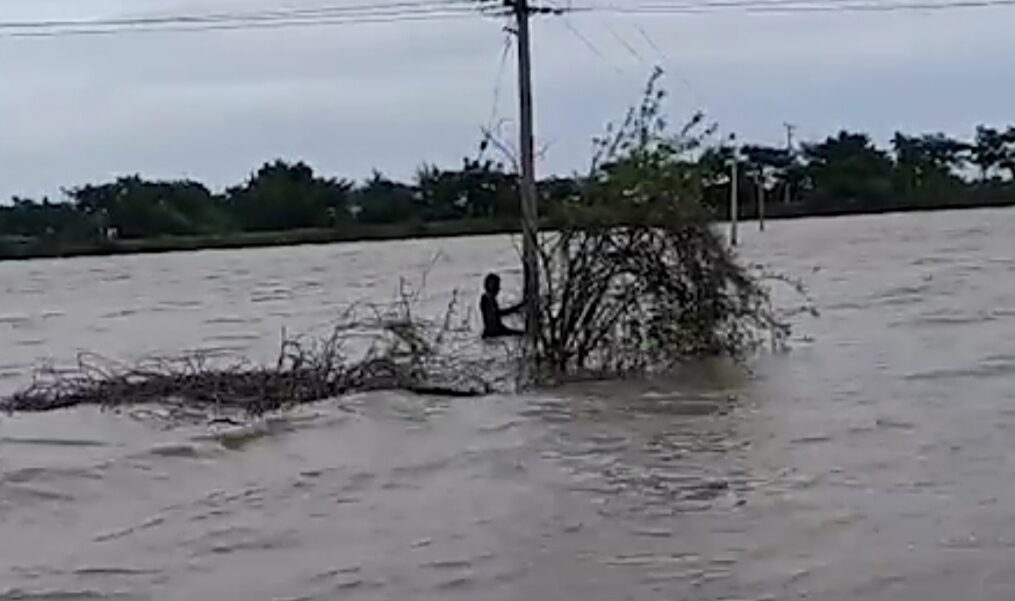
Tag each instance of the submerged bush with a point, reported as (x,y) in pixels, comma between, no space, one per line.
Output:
(370,347)
(636,278)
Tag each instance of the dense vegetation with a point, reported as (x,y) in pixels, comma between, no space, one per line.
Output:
(636,279)
(287,202)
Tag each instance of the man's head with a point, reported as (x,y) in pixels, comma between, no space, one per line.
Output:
(492,284)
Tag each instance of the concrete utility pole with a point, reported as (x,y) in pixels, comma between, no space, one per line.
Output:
(734,200)
(789,155)
(530,211)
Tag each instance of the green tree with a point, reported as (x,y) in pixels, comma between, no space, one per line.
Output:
(383,200)
(283,196)
(490,191)
(988,150)
(773,167)
(137,208)
(441,194)
(28,218)
(847,171)
(928,166)
(1007,161)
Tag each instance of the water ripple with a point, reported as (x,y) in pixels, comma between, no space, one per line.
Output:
(702,486)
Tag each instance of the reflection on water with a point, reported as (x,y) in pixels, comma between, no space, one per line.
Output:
(870,463)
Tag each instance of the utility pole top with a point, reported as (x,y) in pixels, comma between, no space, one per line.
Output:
(734,147)
(514,6)
(790,128)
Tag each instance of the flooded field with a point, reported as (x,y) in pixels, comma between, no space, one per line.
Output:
(874,461)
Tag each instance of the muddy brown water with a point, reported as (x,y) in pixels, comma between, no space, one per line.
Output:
(874,461)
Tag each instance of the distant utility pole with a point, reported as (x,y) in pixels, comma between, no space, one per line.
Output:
(761,199)
(530,211)
(789,156)
(734,208)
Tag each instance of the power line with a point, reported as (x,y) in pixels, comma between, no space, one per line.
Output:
(788,6)
(236,26)
(587,42)
(672,67)
(262,14)
(499,81)
(573,29)
(627,45)
(408,10)
(430,10)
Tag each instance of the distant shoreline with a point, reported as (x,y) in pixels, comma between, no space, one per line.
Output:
(26,249)
(20,249)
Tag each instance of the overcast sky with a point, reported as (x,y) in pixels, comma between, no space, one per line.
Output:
(214,105)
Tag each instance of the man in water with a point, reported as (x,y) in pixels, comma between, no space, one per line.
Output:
(493,327)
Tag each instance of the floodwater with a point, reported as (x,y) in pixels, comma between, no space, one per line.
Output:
(876,460)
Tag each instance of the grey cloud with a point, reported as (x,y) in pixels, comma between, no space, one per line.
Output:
(214,105)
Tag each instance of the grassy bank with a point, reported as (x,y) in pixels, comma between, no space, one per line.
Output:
(21,247)
(777,210)
(17,248)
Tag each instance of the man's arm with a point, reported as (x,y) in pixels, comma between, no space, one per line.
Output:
(512,309)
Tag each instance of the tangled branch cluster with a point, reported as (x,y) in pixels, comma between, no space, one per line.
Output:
(637,298)
(636,276)
(371,348)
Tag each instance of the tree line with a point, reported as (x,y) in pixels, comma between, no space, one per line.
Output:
(849,173)
(845,173)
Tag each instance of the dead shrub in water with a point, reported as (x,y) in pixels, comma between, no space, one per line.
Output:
(635,277)
(371,348)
